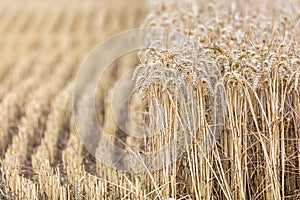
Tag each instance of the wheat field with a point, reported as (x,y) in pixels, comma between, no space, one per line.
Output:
(239,100)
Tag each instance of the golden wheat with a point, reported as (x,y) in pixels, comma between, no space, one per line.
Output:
(237,82)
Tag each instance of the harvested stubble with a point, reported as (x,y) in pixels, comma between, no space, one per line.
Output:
(240,71)
(43,44)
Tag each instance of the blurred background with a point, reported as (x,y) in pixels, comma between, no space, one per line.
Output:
(38,36)
(43,44)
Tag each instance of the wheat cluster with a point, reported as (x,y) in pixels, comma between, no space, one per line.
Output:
(240,66)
